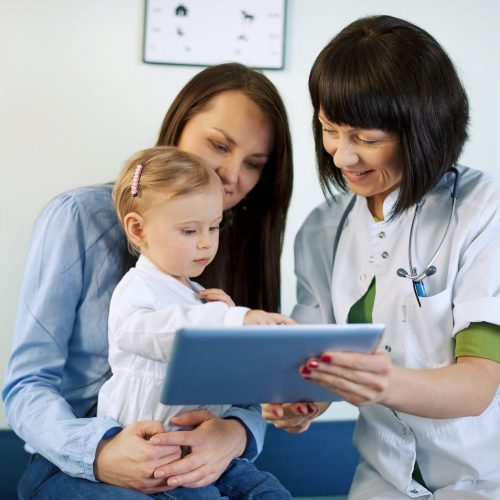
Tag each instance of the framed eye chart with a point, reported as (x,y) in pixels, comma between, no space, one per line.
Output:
(202,32)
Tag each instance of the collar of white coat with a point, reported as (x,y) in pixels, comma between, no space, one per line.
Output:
(390,202)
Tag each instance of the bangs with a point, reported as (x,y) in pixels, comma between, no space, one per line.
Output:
(351,87)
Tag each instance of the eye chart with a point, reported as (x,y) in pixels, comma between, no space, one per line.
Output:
(202,32)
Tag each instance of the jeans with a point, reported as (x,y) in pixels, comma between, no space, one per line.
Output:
(242,480)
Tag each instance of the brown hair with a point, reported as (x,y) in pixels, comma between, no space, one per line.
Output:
(247,265)
(165,170)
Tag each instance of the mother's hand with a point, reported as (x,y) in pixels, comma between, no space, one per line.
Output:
(358,378)
(293,417)
(213,444)
(129,458)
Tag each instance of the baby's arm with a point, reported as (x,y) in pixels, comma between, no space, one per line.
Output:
(141,324)
(253,317)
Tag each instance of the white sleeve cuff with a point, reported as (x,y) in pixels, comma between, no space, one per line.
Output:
(235,316)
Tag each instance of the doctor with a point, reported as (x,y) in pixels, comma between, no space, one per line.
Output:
(414,243)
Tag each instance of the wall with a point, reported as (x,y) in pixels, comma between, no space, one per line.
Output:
(76,100)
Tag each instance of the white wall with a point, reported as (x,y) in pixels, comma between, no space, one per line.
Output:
(76,101)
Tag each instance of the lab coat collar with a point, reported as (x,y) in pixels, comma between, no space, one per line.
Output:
(390,202)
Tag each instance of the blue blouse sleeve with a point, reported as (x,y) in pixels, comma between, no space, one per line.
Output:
(255,427)
(53,375)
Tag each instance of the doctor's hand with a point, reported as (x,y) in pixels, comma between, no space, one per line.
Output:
(359,378)
(293,417)
(210,446)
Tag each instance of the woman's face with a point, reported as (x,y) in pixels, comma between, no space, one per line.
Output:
(234,137)
(370,160)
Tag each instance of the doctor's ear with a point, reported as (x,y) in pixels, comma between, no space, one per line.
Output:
(133,225)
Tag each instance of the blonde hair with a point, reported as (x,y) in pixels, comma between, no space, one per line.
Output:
(166,171)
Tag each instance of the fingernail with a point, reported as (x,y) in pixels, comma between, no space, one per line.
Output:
(300,410)
(305,370)
(159,474)
(312,363)
(310,409)
(326,358)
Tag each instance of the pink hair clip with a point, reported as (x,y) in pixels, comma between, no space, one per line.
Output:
(134,188)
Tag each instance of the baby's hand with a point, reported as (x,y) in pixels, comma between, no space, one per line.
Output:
(216,294)
(258,317)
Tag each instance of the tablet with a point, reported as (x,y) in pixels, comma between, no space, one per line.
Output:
(256,364)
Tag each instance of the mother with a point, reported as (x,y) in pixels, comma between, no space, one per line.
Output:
(234,119)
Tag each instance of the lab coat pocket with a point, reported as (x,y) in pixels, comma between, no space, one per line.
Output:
(429,340)
(444,441)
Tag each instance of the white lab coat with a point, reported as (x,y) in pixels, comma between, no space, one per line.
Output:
(460,453)
(147,308)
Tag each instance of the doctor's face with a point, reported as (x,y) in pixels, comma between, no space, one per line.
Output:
(235,138)
(370,160)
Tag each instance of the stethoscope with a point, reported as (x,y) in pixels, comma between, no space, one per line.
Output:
(416,277)
(430,269)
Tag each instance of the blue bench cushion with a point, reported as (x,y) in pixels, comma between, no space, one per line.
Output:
(316,463)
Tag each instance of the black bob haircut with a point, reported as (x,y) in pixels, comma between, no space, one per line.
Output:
(386,73)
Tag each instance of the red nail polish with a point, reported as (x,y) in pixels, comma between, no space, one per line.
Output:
(310,409)
(326,358)
(312,363)
(300,410)
(305,370)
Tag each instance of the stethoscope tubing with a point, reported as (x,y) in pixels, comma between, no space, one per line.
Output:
(429,269)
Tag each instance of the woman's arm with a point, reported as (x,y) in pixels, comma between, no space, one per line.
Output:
(463,389)
(34,400)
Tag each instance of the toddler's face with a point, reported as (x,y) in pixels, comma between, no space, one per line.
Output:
(182,235)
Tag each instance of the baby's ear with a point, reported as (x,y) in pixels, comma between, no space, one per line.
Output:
(133,224)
